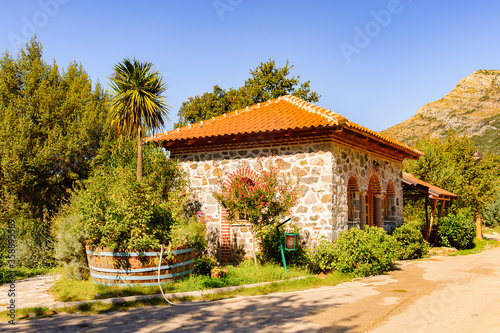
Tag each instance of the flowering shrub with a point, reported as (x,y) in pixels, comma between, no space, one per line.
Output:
(219,272)
(263,201)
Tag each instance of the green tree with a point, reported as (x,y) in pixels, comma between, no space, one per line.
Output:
(52,125)
(267,82)
(448,163)
(137,105)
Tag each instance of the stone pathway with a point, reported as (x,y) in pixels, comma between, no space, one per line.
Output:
(29,293)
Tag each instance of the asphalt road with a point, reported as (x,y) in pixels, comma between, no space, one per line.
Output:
(442,294)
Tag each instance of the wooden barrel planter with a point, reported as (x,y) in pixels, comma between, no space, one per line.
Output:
(138,268)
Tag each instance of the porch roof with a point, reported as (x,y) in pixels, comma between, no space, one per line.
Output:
(427,189)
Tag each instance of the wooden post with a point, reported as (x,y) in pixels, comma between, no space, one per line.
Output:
(431,219)
(378,210)
(440,214)
(479,226)
(362,210)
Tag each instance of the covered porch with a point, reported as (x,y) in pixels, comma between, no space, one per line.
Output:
(416,188)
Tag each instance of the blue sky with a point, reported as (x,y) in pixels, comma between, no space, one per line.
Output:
(374,62)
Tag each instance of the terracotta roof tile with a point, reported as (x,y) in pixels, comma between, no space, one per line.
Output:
(283,113)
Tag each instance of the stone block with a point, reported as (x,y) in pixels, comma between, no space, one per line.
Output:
(317,161)
(318,209)
(284,165)
(309,180)
(316,171)
(301,210)
(300,156)
(299,172)
(210,200)
(326,198)
(217,172)
(311,198)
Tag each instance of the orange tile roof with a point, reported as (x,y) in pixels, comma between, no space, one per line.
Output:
(283,113)
(430,189)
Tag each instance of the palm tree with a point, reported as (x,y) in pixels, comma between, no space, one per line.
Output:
(137,105)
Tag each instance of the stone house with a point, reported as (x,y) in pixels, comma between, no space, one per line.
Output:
(350,176)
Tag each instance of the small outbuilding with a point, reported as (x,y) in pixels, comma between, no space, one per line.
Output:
(350,176)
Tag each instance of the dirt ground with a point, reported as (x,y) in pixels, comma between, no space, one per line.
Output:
(442,294)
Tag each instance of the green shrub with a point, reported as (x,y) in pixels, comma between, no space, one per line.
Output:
(270,249)
(491,215)
(364,253)
(190,232)
(34,245)
(457,231)
(69,244)
(204,265)
(321,259)
(412,244)
(121,213)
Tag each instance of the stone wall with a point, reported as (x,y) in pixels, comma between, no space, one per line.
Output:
(324,169)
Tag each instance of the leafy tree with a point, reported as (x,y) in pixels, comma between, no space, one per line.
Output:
(267,82)
(137,105)
(448,163)
(52,125)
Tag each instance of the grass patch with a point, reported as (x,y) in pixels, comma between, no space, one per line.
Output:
(67,290)
(21,273)
(479,246)
(491,230)
(308,282)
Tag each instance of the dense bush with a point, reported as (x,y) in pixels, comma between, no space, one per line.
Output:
(270,249)
(457,231)
(412,244)
(491,216)
(364,253)
(120,213)
(321,259)
(69,240)
(203,265)
(34,244)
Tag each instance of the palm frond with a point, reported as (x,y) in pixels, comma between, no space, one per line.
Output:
(137,97)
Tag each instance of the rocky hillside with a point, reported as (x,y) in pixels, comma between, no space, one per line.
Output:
(472,108)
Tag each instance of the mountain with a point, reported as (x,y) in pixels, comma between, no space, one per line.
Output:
(471,108)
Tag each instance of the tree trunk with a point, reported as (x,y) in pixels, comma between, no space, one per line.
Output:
(139,153)
(253,248)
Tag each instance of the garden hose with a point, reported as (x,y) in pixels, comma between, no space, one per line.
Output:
(356,284)
(165,297)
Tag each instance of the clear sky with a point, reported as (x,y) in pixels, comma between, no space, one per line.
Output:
(374,62)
